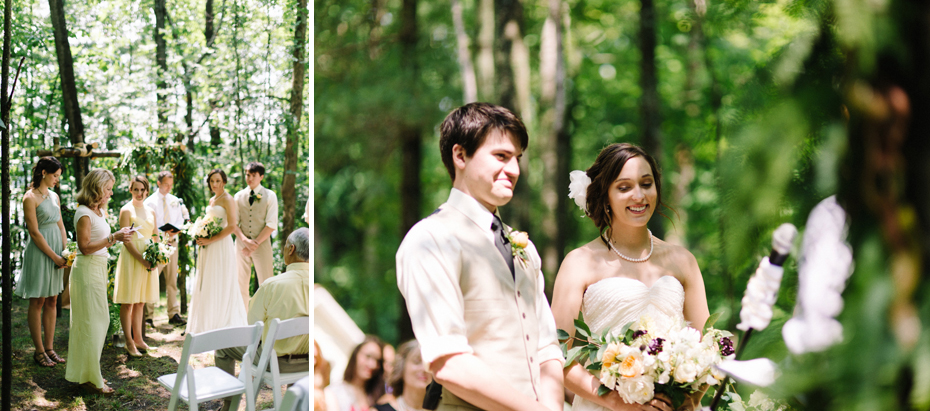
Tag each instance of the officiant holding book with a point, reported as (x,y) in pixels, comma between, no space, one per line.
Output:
(170,215)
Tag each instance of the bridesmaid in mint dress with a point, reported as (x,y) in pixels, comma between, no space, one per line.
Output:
(42,275)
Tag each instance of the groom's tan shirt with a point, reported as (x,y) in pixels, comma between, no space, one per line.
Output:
(462,297)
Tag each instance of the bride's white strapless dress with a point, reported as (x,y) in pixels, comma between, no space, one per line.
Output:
(216,301)
(613,302)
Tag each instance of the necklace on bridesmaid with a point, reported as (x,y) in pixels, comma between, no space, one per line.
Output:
(610,242)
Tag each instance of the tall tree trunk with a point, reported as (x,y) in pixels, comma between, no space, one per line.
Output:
(68,88)
(486,78)
(161,59)
(509,15)
(552,124)
(650,109)
(288,193)
(411,196)
(469,83)
(6,394)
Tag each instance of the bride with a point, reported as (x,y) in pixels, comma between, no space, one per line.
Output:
(625,272)
(216,301)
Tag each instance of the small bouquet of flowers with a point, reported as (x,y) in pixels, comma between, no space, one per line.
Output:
(205,227)
(69,253)
(157,252)
(644,359)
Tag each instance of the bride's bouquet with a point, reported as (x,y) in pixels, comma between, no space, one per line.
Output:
(205,227)
(157,252)
(644,359)
(69,253)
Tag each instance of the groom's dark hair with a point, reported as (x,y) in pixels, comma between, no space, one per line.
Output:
(469,125)
(255,167)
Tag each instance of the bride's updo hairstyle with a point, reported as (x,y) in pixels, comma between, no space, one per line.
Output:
(92,187)
(469,125)
(212,172)
(604,172)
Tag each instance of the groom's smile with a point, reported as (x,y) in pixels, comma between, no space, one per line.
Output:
(492,172)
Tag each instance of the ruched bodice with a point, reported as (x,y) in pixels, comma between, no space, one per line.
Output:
(613,302)
(218,211)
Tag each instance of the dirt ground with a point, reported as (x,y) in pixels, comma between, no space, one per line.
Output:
(134,379)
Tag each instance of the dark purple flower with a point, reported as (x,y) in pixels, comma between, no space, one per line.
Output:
(655,346)
(726,346)
(638,333)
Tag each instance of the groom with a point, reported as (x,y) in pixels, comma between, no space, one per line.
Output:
(258,218)
(484,326)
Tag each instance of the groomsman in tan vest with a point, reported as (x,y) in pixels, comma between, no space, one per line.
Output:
(258,218)
(475,299)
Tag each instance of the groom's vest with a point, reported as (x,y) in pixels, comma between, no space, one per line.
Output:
(252,217)
(500,308)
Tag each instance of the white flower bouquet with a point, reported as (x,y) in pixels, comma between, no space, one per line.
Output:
(157,253)
(69,253)
(205,227)
(643,360)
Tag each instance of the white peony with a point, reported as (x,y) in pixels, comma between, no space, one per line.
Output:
(638,390)
(578,188)
(686,372)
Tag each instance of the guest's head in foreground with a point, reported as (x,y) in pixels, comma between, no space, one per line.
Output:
(96,189)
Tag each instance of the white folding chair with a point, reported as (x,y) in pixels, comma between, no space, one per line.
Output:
(205,384)
(278,330)
(297,397)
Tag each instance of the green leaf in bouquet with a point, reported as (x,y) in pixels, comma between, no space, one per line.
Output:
(594,367)
(626,329)
(592,354)
(710,322)
(601,350)
(573,355)
(677,396)
(602,390)
(562,334)
(581,327)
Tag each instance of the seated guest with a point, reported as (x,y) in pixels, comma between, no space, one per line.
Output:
(362,383)
(284,296)
(408,380)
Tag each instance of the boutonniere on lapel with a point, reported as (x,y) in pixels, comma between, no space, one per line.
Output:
(174,203)
(256,197)
(519,240)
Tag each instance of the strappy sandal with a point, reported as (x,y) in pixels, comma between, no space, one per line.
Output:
(106,391)
(42,359)
(54,356)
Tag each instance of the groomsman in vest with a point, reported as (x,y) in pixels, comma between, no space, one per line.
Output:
(168,210)
(258,218)
(476,301)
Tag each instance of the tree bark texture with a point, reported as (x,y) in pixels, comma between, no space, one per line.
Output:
(469,82)
(288,192)
(551,125)
(509,29)
(68,88)
(486,79)
(411,147)
(6,393)
(161,59)
(650,108)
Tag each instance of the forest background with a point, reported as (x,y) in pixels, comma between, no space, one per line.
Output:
(186,86)
(755,110)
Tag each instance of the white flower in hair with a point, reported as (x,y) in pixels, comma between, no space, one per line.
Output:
(578,188)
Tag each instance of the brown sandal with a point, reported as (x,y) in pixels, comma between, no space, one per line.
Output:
(42,359)
(106,391)
(54,356)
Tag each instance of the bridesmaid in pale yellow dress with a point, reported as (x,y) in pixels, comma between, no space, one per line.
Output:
(90,316)
(135,283)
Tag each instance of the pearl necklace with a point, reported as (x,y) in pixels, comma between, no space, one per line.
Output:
(610,242)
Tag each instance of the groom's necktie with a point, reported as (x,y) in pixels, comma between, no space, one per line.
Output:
(502,243)
(251,196)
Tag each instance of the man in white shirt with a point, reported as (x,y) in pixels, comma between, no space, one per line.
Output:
(476,301)
(168,210)
(258,219)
